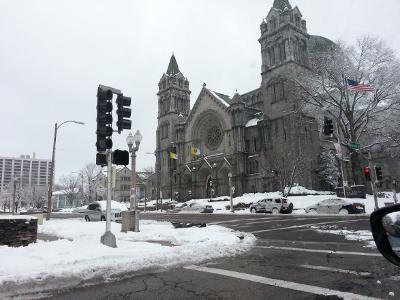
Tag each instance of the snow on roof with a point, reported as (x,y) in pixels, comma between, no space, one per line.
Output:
(217,95)
(114,205)
(63,192)
(11,217)
(252,122)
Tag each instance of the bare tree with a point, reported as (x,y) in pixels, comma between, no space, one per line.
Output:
(69,186)
(286,166)
(328,168)
(6,196)
(360,116)
(148,169)
(93,186)
(39,195)
(22,193)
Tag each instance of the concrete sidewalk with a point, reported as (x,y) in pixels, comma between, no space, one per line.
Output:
(46,237)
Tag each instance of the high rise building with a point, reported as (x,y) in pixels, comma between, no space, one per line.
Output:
(28,171)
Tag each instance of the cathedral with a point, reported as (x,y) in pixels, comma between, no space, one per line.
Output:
(224,139)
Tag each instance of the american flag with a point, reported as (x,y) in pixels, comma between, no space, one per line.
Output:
(358,87)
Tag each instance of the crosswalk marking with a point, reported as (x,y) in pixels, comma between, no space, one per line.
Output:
(305,225)
(336,270)
(281,283)
(320,251)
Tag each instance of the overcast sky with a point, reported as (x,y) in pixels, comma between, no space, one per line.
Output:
(54,54)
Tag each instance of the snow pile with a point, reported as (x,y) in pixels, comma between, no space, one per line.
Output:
(79,258)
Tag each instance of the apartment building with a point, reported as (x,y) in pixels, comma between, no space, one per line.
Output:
(28,171)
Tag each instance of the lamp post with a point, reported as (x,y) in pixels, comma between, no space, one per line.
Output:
(15,190)
(136,138)
(230,189)
(49,206)
(193,181)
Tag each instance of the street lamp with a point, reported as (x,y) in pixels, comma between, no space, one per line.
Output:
(49,206)
(136,138)
(230,189)
(15,190)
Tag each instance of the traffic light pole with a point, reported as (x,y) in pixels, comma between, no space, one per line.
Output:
(108,238)
(344,174)
(373,178)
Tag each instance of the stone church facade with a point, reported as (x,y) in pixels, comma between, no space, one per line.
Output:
(242,134)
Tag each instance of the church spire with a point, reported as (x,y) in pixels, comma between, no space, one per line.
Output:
(173,68)
(281,4)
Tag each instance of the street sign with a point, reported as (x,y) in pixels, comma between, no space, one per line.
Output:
(379,163)
(345,183)
(354,146)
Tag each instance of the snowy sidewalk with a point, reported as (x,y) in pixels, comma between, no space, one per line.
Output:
(78,257)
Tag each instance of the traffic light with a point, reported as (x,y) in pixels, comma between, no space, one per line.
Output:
(123,112)
(120,157)
(378,172)
(328,126)
(104,119)
(101,159)
(367,174)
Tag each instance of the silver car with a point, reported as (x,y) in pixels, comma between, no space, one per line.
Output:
(274,206)
(97,211)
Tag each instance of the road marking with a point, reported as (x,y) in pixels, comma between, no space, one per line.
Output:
(299,226)
(336,270)
(258,220)
(320,251)
(236,220)
(280,283)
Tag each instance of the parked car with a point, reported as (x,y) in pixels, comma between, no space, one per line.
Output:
(336,206)
(271,205)
(97,211)
(80,209)
(198,207)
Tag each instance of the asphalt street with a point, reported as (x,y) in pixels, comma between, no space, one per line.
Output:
(291,260)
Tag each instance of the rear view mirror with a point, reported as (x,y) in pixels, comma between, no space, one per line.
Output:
(385,227)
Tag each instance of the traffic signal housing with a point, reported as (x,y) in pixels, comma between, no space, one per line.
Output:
(328,126)
(378,171)
(123,112)
(104,119)
(367,174)
(120,158)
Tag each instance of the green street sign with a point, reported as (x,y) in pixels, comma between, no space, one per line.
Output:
(354,146)
(379,163)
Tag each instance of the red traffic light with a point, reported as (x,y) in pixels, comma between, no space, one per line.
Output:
(367,174)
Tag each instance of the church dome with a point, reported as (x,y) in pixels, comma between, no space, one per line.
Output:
(318,43)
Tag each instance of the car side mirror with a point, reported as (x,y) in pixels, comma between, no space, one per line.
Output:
(385,227)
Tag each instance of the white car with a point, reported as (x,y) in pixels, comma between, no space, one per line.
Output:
(97,211)
(336,206)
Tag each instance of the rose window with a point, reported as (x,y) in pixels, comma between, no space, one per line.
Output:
(214,137)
